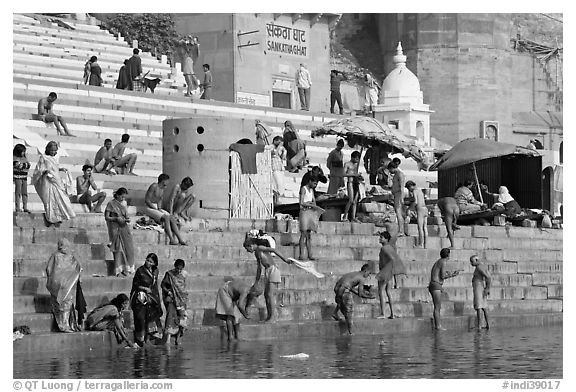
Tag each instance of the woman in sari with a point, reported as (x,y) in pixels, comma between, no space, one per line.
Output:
(175,299)
(117,220)
(145,301)
(63,275)
(295,148)
(50,188)
(95,78)
(108,317)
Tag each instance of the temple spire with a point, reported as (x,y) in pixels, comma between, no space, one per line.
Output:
(399,59)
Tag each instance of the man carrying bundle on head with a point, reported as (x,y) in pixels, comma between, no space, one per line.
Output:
(262,245)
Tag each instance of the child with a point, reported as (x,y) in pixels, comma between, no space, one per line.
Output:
(353,186)
(20,166)
(480,291)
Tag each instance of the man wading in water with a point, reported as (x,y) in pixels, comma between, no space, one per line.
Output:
(436,281)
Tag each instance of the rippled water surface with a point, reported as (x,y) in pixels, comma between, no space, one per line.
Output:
(504,353)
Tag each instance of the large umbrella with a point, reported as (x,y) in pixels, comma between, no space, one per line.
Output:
(366,130)
(470,151)
(474,150)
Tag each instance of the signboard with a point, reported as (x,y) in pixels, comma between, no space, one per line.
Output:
(252,99)
(286,40)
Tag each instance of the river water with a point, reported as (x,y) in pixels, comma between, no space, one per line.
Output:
(500,353)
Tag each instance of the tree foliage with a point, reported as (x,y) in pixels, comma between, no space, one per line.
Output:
(155,32)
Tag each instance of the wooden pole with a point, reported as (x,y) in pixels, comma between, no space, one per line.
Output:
(477,182)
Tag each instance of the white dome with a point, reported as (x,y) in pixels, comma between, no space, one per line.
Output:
(401,79)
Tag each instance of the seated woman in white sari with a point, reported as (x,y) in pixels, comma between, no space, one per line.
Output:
(50,187)
(63,274)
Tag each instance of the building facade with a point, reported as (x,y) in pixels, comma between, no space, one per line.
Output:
(483,74)
(254,57)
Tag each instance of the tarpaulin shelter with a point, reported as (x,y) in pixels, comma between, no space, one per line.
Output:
(363,131)
(496,164)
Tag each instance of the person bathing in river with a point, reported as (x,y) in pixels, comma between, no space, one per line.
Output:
(262,245)
(390,266)
(232,302)
(480,277)
(348,284)
(437,277)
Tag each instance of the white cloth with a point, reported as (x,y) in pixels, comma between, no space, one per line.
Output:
(307,266)
(308,195)
(503,195)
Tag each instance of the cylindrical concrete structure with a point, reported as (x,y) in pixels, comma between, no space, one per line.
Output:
(198,148)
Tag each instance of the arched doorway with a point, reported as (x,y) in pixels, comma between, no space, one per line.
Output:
(547,188)
(420,131)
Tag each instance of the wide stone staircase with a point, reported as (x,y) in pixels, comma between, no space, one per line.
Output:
(51,58)
(526,265)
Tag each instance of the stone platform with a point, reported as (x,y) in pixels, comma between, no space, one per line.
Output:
(526,265)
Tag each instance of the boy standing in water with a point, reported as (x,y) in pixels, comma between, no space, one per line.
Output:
(481,276)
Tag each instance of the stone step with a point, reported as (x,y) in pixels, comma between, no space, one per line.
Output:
(43,322)
(96,251)
(205,299)
(60,49)
(105,38)
(303,121)
(52,341)
(96,130)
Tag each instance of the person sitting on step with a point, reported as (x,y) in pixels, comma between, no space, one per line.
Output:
(153,199)
(123,164)
(45,113)
(103,160)
(83,185)
(465,199)
(182,199)
(108,317)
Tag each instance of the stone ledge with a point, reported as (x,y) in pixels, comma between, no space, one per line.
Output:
(43,342)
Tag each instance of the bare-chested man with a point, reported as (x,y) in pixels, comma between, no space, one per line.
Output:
(83,185)
(256,242)
(390,265)
(437,277)
(232,302)
(46,114)
(398,192)
(480,277)
(153,201)
(450,211)
(348,284)
(419,205)
(353,185)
